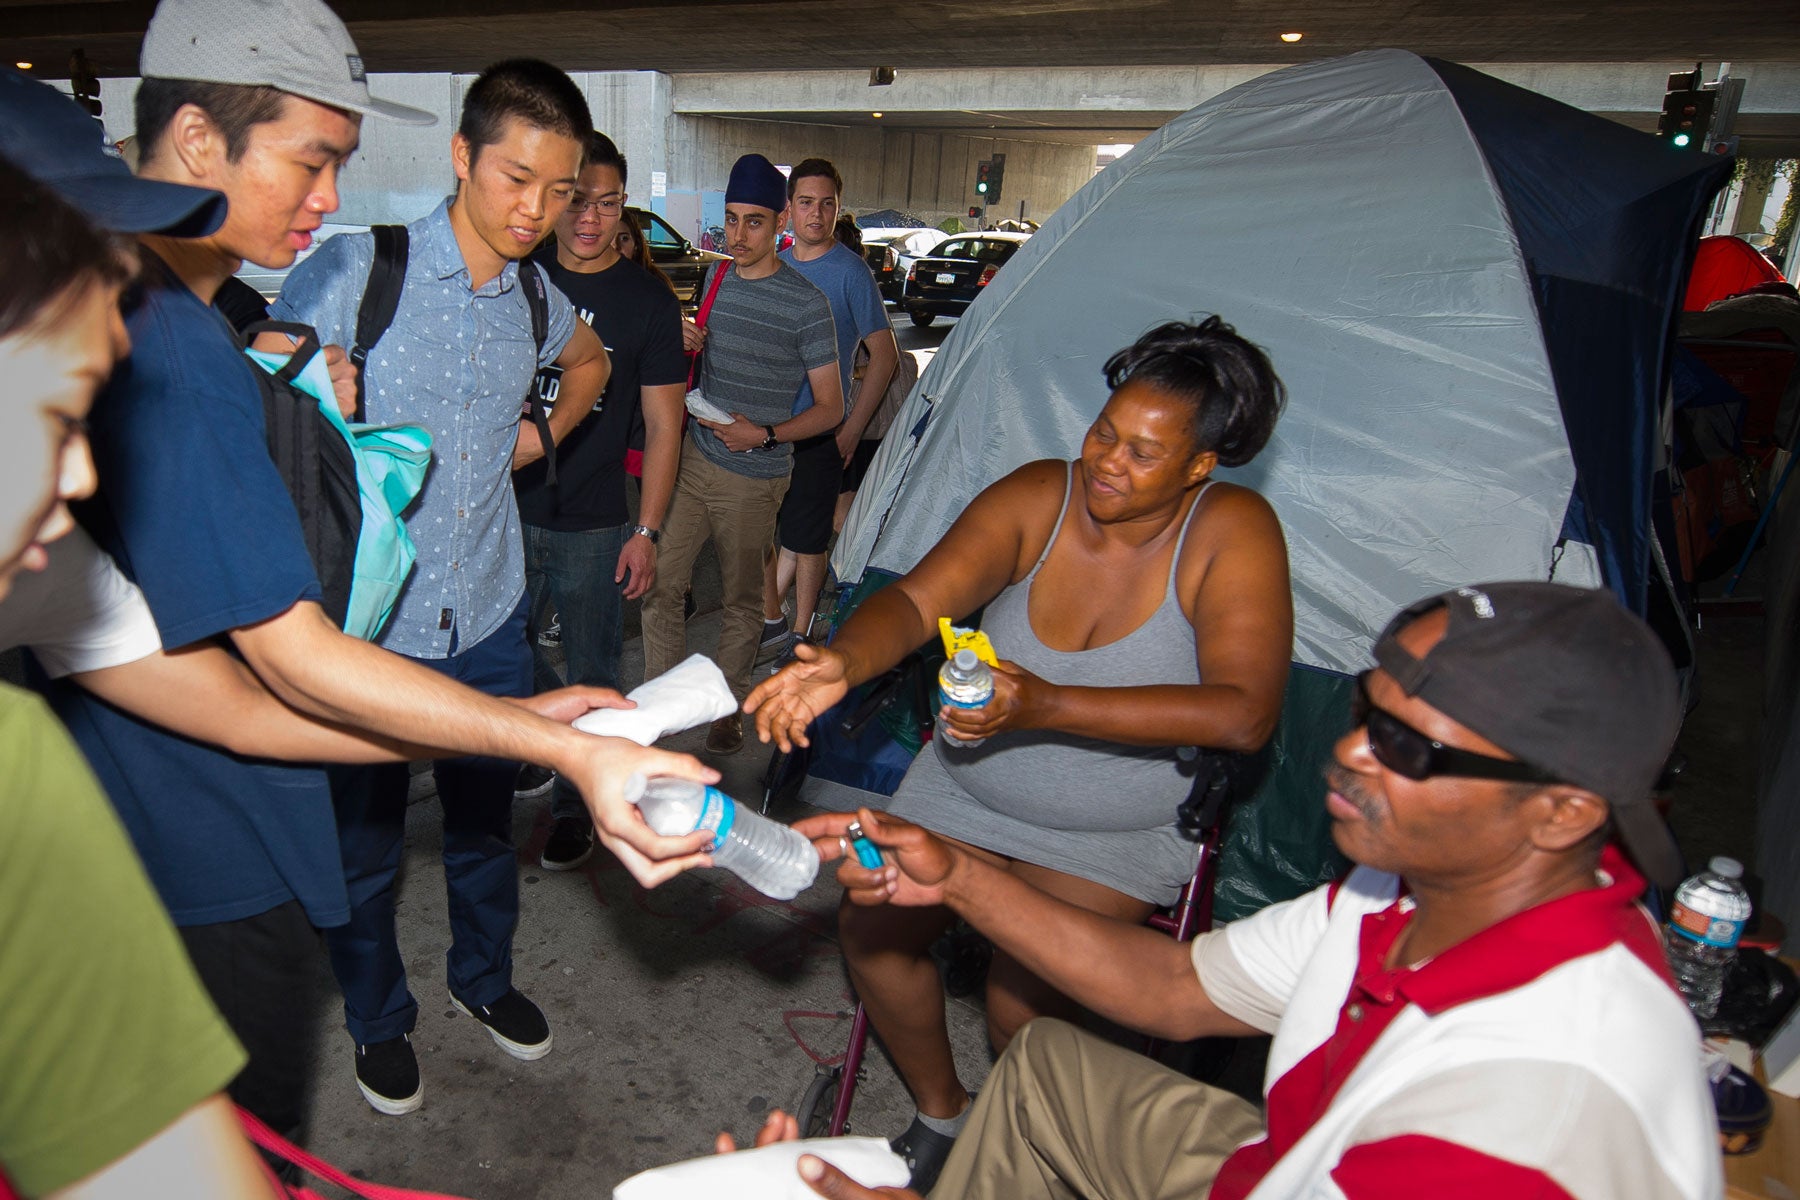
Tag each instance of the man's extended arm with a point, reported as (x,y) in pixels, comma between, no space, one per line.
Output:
(585,370)
(313,666)
(1131,974)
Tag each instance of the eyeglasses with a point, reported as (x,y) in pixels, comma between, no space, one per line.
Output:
(1404,750)
(609,206)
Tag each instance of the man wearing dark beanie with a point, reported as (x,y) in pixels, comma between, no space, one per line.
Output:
(767,332)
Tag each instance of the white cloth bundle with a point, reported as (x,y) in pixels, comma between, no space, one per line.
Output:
(689,694)
(705,409)
(768,1173)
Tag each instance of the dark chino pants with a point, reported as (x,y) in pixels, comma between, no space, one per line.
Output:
(571,573)
(480,872)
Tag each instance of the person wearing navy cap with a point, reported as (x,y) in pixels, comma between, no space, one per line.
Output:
(263,101)
(768,331)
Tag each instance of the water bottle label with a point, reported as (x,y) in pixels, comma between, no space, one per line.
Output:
(977,702)
(1697,926)
(718,814)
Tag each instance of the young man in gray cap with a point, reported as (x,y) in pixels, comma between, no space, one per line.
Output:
(768,332)
(261,100)
(1479,1009)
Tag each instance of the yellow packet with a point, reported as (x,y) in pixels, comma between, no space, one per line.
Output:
(957,638)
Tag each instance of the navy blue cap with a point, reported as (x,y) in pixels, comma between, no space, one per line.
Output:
(754,180)
(48,136)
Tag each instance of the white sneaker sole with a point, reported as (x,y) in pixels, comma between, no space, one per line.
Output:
(570,865)
(518,1050)
(389,1106)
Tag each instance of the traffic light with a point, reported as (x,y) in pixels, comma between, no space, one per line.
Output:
(996,177)
(84,83)
(984,171)
(975,210)
(1687,111)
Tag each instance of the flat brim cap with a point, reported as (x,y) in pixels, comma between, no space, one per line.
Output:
(49,137)
(297,46)
(1563,678)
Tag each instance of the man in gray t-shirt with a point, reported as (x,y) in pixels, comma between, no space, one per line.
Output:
(769,331)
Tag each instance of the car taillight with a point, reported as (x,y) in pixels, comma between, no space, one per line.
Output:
(912,273)
(891,260)
(987,273)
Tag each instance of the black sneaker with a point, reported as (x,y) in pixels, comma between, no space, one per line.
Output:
(515,1023)
(551,637)
(775,638)
(533,781)
(571,843)
(925,1151)
(387,1074)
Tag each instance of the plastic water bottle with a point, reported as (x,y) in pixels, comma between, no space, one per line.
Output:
(765,854)
(1705,921)
(966,682)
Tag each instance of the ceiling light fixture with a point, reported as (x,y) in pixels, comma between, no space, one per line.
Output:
(1292,37)
(875,114)
(23,66)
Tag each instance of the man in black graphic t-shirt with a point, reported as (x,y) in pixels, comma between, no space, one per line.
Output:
(584,555)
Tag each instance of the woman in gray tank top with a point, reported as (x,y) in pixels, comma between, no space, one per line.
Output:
(1140,610)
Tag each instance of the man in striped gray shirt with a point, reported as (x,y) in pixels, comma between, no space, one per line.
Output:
(768,332)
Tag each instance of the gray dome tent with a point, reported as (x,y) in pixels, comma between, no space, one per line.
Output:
(1468,289)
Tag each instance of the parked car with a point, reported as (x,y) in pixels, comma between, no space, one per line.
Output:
(683,262)
(891,253)
(947,281)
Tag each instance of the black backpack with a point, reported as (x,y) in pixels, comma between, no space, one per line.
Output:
(381,300)
(316,464)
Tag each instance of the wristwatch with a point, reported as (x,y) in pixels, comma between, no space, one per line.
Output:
(655,535)
(769,443)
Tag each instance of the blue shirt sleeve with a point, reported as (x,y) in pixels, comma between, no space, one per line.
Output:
(326,288)
(866,312)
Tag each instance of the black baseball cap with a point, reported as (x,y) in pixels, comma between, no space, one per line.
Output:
(47,135)
(1563,678)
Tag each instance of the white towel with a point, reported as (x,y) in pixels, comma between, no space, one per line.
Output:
(768,1173)
(688,694)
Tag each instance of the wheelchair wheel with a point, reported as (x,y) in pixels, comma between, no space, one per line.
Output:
(814,1112)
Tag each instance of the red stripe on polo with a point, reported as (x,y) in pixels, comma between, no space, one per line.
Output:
(1402,1168)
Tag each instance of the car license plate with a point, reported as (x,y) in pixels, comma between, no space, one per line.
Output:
(946,277)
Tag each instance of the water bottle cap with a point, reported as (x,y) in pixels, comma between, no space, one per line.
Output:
(1730,868)
(634,786)
(965,660)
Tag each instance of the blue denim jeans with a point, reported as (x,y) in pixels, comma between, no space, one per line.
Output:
(572,574)
(481,873)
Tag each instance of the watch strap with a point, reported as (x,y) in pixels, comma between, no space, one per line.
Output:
(655,535)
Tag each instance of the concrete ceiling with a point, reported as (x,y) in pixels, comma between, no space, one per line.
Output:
(750,35)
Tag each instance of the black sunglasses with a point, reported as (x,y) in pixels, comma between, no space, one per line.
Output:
(1402,749)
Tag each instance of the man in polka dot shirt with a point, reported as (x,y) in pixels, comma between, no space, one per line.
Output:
(458,358)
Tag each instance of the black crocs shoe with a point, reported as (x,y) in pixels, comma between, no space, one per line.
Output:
(925,1151)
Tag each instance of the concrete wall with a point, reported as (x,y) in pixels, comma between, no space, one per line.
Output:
(928,174)
(401,171)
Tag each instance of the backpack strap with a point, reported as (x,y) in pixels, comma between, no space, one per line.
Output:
(717,278)
(532,280)
(380,298)
(304,337)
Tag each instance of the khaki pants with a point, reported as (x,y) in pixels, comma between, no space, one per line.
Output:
(738,513)
(1067,1115)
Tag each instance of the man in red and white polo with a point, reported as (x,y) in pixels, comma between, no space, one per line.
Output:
(1479,1009)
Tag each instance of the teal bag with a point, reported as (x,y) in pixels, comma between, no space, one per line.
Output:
(350,482)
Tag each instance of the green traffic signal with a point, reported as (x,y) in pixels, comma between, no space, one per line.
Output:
(1682,139)
(982,186)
